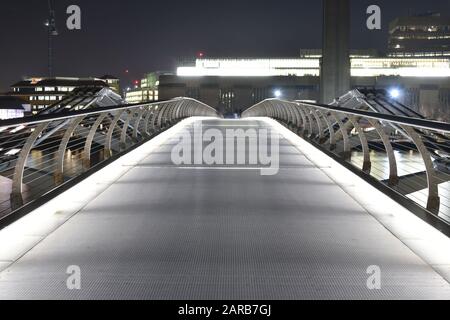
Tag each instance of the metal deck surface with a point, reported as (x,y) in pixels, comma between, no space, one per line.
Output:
(163,232)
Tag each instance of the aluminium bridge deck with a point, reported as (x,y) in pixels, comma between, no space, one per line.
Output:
(166,232)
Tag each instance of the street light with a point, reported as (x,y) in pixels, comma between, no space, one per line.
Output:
(277,93)
(394,93)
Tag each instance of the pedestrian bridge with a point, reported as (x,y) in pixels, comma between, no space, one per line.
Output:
(98,195)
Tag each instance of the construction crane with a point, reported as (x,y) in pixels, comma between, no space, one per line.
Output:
(50,23)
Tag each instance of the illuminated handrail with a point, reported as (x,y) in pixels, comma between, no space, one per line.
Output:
(39,154)
(369,141)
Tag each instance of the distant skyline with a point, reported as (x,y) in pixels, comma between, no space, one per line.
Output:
(143,36)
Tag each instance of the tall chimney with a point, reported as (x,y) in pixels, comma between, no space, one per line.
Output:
(335,67)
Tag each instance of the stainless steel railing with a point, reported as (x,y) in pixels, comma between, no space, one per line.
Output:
(409,155)
(39,154)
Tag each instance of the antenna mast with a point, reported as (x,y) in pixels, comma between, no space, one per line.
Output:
(50,23)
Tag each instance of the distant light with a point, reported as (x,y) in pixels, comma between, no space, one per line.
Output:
(128,89)
(12,152)
(395,93)
(277,93)
(136,82)
(201,54)
(127,71)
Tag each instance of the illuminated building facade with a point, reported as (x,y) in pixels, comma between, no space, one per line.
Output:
(231,85)
(425,35)
(147,91)
(301,67)
(11,107)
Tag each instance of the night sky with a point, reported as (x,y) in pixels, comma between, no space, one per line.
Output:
(150,35)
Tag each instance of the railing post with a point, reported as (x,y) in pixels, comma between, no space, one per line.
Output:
(310,122)
(347,151)
(108,140)
(126,125)
(298,120)
(137,123)
(330,129)
(59,172)
(148,117)
(304,132)
(90,139)
(367,164)
(433,202)
(16,190)
(319,123)
(393,174)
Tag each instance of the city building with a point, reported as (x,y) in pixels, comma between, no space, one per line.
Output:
(417,66)
(41,93)
(12,107)
(426,35)
(231,85)
(145,91)
(301,67)
(113,83)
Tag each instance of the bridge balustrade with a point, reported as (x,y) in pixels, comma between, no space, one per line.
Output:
(39,155)
(407,157)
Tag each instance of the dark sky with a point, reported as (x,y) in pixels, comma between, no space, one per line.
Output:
(150,35)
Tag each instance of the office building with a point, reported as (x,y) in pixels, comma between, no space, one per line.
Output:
(12,107)
(145,91)
(231,85)
(426,35)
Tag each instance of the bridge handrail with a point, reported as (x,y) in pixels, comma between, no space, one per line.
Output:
(415,122)
(36,151)
(347,133)
(88,112)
